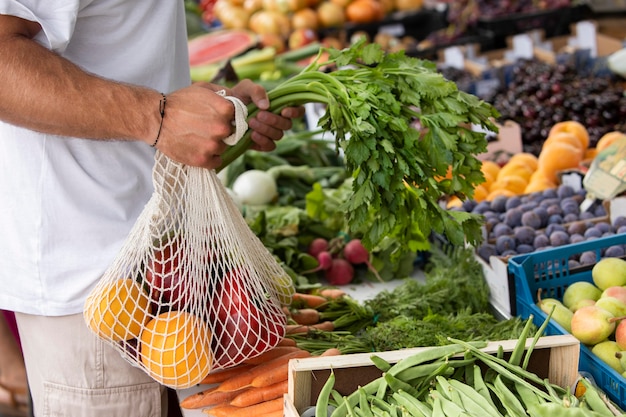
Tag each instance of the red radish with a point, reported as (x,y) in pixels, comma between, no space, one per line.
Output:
(340,273)
(325,260)
(356,254)
(318,245)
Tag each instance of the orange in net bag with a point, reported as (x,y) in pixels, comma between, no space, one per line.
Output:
(192,289)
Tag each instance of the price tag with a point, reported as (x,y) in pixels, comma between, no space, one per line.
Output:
(523,46)
(586,37)
(453,57)
(396,30)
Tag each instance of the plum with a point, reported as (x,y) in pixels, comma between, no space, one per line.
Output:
(586,215)
(570,217)
(573,263)
(559,238)
(509,252)
(486,250)
(524,248)
(603,226)
(592,232)
(531,219)
(553,227)
(502,229)
(555,219)
(620,230)
(498,204)
(615,251)
(576,238)
(599,211)
(554,209)
(549,202)
(481,207)
(564,191)
(619,221)
(542,212)
(513,217)
(587,258)
(576,228)
(541,241)
(469,205)
(530,205)
(512,202)
(524,235)
(549,193)
(504,243)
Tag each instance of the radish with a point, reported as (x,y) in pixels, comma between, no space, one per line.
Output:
(356,254)
(340,273)
(325,260)
(318,245)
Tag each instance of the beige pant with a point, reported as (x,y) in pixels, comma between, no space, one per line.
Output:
(72,373)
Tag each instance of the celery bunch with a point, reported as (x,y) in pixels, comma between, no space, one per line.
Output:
(401,126)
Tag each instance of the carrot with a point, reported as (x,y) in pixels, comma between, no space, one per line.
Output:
(332,293)
(278,413)
(271,354)
(221,410)
(286,341)
(219,376)
(209,397)
(258,409)
(305,316)
(245,379)
(260,394)
(331,352)
(308,300)
(327,326)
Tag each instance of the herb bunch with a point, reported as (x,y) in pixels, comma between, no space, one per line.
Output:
(402,127)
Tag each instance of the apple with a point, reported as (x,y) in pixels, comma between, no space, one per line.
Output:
(609,272)
(301,37)
(592,325)
(606,351)
(580,290)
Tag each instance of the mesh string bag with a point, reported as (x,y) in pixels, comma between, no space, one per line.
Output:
(192,289)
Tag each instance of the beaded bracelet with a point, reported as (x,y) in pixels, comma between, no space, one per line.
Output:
(162,112)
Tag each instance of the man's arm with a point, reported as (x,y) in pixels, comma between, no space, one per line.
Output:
(42,91)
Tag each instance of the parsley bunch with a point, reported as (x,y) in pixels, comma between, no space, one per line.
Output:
(402,126)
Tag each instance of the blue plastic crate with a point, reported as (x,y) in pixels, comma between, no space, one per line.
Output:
(548,271)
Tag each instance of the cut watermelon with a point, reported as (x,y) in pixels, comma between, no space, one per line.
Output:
(219,45)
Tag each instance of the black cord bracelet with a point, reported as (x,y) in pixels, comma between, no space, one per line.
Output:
(162,112)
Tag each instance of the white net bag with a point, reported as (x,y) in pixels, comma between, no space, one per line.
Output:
(193,289)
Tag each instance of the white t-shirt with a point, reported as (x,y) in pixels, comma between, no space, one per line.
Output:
(67,204)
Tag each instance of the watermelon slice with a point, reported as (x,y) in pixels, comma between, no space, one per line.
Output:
(219,45)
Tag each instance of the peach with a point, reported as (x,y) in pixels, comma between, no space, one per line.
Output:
(572,126)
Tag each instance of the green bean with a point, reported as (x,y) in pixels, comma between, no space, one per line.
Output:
(520,347)
(397,385)
(538,334)
(321,407)
(437,406)
(430,354)
(353,399)
(594,400)
(527,396)
(558,410)
(508,400)
(349,407)
(414,406)
(448,408)
(473,401)
(411,375)
(511,372)
(480,386)
(443,386)
(380,363)
(364,404)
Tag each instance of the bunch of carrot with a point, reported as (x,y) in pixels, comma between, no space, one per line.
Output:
(254,388)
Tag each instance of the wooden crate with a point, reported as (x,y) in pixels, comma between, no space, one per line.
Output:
(554,357)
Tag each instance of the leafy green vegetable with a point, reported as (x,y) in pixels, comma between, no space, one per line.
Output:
(401,126)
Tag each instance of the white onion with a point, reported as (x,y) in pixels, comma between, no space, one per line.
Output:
(255,187)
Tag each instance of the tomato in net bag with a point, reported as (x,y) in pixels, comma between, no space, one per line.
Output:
(192,289)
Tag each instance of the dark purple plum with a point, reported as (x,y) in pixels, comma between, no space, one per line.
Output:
(513,217)
(592,232)
(587,258)
(512,202)
(541,241)
(531,219)
(505,243)
(615,251)
(524,235)
(502,229)
(486,250)
(559,238)
(564,191)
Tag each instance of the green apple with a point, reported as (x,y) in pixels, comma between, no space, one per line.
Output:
(580,290)
(609,272)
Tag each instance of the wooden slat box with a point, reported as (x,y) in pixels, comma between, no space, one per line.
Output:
(554,357)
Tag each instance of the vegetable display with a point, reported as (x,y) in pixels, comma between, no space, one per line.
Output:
(402,126)
(460,379)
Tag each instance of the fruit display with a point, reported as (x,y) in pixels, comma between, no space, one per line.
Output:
(540,94)
(594,312)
